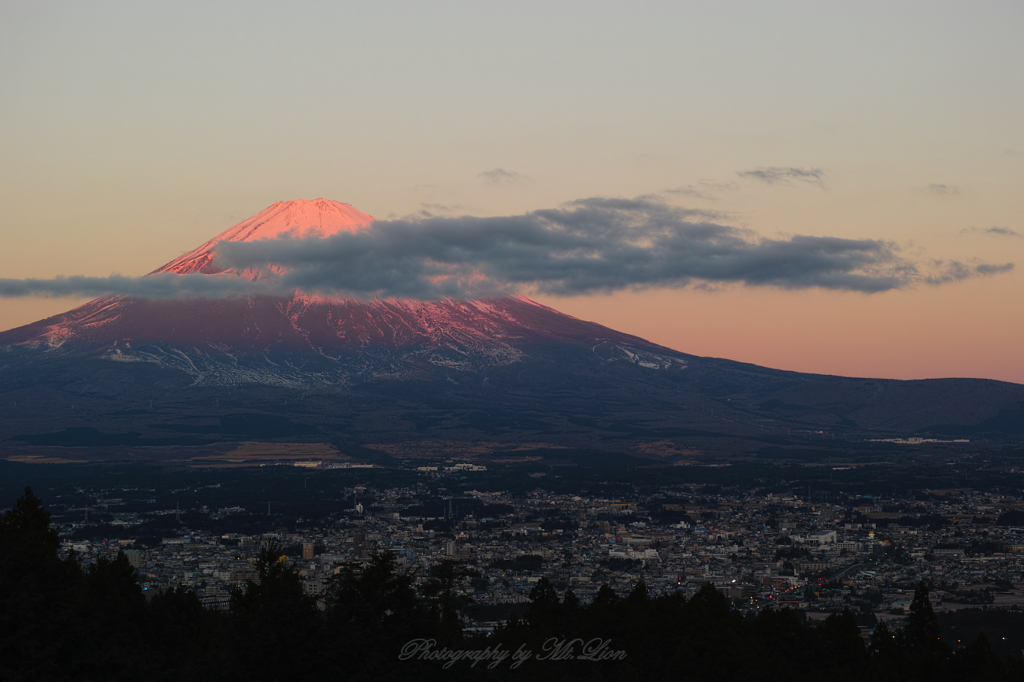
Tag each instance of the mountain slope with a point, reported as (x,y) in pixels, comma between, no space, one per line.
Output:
(307,340)
(506,367)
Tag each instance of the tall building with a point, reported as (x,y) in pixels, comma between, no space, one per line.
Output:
(307,551)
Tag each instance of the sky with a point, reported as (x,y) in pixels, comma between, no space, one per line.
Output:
(133,132)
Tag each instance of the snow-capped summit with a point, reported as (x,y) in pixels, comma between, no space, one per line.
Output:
(344,339)
(299,218)
(507,367)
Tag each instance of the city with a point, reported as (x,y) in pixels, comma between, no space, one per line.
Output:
(818,555)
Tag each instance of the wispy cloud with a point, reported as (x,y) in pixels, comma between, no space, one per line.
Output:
(500,176)
(943,189)
(691,191)
(440,208)
(774,175)
(587,246)
(945,272)
(431,210)
(996,231)
(704,189)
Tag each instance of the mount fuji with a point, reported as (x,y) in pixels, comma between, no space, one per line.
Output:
(151,371)
(314,341)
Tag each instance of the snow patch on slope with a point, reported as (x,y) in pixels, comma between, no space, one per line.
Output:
(612,352)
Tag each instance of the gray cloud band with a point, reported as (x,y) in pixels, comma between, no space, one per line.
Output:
(588,246)
(164,285)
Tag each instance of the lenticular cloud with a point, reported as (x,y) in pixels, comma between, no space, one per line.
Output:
(589,246)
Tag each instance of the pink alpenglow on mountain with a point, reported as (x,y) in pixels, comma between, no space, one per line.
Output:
(392,338)
(507,367)
(301,218)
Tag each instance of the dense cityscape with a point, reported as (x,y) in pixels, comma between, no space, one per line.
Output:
(758,548)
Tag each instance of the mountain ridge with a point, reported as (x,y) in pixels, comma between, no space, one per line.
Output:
(476,368)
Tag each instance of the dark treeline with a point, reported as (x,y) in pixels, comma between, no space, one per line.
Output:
(62,621)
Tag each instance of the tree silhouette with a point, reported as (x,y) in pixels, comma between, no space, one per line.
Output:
(275,626)
(36,591)
(60,621)
(922,628)
(450,604)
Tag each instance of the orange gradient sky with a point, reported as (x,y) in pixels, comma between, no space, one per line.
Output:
(131,134)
